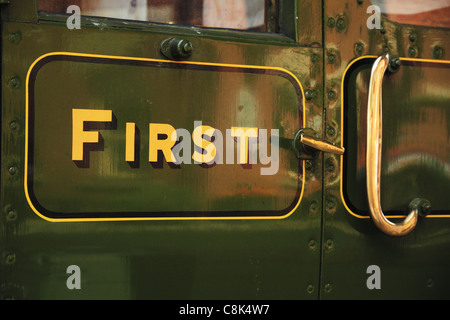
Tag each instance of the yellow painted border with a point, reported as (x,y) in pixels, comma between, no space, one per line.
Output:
(342,136)
(151,218)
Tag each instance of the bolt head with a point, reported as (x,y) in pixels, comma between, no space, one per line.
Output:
(12,170)
(437,52)
(340,24)
(14,125)
(10,258)
(331,58)
(14,82)
(331,22)
(331,95)
(187,47)
(308,165)
(15,37)
(11,215)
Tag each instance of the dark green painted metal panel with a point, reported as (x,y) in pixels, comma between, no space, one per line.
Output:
(186,259)
(415,110)
(321,251)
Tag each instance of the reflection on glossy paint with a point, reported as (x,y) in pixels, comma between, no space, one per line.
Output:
(416,12)
(418,159)
(231,14)
(422,142)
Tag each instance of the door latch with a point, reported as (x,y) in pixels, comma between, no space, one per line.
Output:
(307,145)
(176,48)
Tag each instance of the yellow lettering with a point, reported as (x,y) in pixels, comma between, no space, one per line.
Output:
(79,136)
(244,134)
(165,145)
(130,141)
(206,145)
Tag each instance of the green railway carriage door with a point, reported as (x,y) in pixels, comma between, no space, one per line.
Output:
(172,149)
(386,101)
(147,149)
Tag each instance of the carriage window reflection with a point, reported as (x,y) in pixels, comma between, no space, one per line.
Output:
(434,13)
(229,14)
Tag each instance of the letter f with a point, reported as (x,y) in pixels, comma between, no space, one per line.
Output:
(79,136)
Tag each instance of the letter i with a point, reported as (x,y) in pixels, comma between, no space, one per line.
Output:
(130,142)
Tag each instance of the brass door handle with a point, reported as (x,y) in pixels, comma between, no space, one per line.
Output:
(373,159)
(320,144)
(307,145)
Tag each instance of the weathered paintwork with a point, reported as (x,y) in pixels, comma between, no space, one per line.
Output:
(320,251)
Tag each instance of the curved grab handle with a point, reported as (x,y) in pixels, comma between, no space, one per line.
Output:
(373,157)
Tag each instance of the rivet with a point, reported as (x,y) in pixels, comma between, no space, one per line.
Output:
(13,125)
(310,288)
(308,165)
(12,170)
(14,82)
(15,37)
(340,24)
(359,48)
(385,49)
(412,52)
(331,58)
(314,206)
(312,244)
(412,36)
(331,22)
(310,94)
(329,244)
(331,95)
(331,131)
(383,29)
(11,215)
(327,288)
(330,165)
(430,283)
(314,57)
(438,52)
(10,258)
(330,204)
